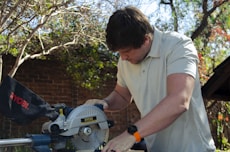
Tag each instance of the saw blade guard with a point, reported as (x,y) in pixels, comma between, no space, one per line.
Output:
(86,125)
(89,127)
(80,116)
(84,115)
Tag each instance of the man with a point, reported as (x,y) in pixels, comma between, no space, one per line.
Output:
(159,72)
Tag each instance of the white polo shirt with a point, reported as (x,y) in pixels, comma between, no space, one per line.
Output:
(170,53)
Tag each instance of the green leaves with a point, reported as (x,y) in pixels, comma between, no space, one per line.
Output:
(90,66)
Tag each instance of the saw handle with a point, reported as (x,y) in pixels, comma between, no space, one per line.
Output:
(100,106)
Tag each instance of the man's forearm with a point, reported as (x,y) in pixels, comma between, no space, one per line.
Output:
(116,102)
(163,115)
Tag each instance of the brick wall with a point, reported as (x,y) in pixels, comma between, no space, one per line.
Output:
(48,79)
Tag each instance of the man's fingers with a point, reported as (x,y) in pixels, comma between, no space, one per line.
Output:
(97,101)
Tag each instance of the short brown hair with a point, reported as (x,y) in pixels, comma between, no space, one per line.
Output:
(127,27)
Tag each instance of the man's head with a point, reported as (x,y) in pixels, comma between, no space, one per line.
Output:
(127,28)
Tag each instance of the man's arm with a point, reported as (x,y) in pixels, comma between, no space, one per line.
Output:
(176,102)
(179,92)
(117,100)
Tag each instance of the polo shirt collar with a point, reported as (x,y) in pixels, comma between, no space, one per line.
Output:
(157,39)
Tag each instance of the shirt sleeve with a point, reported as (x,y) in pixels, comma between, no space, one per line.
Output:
(183,58)
(120,79)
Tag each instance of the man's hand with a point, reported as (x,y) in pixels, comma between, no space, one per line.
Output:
(121,143)
(98,101)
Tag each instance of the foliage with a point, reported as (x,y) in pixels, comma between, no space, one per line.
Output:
(34,29)
(91,66)
(220,114)
(214,41)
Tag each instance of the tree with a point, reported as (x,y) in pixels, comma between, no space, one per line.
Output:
(35,28)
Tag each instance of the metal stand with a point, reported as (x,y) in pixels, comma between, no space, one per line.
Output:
(39,143)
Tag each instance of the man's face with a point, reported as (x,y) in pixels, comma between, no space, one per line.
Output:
(136,55)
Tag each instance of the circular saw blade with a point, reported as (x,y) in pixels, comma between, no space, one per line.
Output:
(92,141)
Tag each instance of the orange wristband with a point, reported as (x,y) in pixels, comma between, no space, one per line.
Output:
(137,136)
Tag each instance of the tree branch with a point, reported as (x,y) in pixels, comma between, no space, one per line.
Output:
(175,16)
(4,19)
(14,20)
(207,14)
(164,2)
(19,59)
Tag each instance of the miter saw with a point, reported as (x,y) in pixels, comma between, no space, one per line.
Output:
(86,128)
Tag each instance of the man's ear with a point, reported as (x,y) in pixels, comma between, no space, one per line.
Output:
(148,39)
